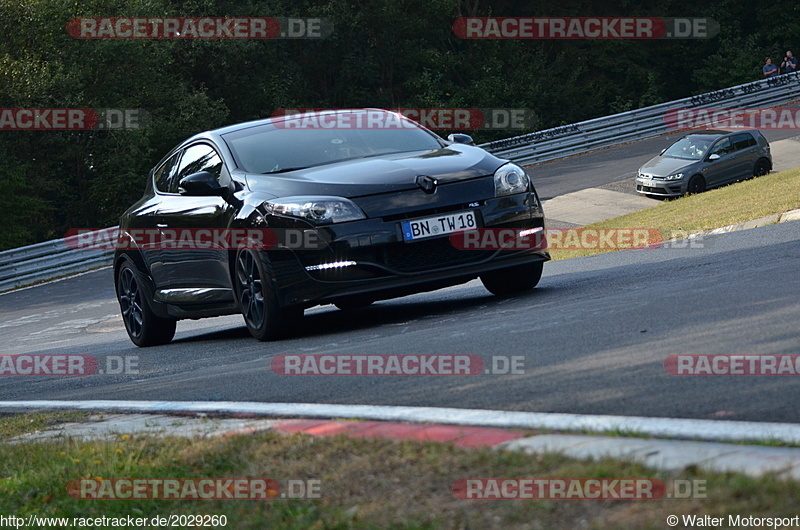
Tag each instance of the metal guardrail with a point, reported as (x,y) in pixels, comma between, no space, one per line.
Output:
(61,257)
(49,260)
(648,122)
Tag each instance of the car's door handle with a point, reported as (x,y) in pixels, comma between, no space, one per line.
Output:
(162,225)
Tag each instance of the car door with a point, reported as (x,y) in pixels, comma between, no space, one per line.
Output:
(194,263)
(149,223)
(723,169)
(746,154)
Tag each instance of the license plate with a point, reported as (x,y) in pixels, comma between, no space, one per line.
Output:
(438,225)
(651,183)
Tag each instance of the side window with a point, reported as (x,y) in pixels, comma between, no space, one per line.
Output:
(200,157)
(722,148)
(163,173)
(743,141)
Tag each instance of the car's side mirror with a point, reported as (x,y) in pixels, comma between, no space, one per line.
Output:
(713,157)
(202,184)
(458,138)
(663,150)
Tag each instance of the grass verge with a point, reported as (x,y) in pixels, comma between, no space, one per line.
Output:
(736,203)
(364,483)
(12,425)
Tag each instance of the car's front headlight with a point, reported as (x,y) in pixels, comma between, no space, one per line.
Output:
(675,176)
(510,179)
(317,210)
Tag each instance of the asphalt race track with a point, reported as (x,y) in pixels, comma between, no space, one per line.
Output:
(594,336)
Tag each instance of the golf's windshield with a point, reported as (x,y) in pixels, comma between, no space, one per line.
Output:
(690,148)
(315,140)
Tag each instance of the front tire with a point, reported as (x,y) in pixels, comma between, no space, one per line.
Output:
(512,280)
(697,184)
(144,327)
(264,318)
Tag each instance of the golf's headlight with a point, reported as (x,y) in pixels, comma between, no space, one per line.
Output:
(317,210)
(510,179)
(675,176)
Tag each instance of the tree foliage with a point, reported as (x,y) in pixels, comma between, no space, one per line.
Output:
(383,53)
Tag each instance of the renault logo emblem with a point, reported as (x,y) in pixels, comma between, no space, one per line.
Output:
(426,183)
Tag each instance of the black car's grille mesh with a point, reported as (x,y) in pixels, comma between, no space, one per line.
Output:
(424,255)
(425,213)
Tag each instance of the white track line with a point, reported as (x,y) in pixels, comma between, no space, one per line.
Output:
(626,425)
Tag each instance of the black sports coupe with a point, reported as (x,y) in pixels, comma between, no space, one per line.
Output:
(347,207)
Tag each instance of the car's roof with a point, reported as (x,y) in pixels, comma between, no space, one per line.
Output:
(278,119)
(216,134)
(714,133)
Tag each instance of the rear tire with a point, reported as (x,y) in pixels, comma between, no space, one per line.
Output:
(512,280)
(144,327)
(762,167)
(264,318)
(697,184)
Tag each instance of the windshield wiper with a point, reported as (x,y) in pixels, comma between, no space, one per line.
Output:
(284,170)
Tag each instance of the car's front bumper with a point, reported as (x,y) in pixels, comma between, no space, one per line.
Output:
(386,266)
(662,188)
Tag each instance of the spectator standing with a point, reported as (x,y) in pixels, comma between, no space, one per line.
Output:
(789,64)
(769,69)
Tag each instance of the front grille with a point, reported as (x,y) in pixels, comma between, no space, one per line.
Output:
(426,255)
(648,189)
(417,214)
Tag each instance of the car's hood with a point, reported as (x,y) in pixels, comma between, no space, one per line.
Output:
(662,166)
(380,174)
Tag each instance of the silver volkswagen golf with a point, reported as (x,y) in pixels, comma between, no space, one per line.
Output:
(705,159)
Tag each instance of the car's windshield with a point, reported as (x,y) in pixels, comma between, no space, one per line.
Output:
(689,148)
(267,149)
